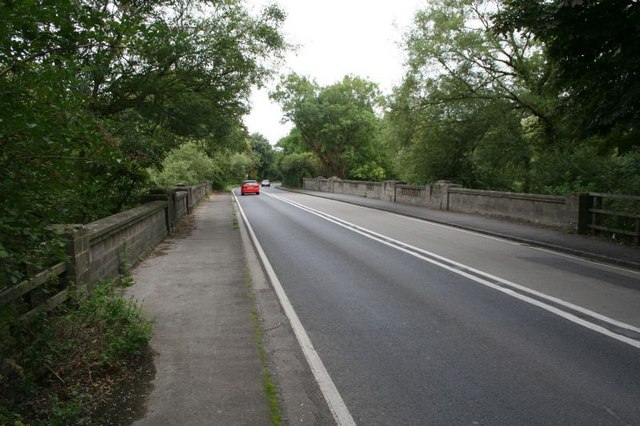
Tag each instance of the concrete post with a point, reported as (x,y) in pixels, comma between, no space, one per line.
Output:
(184,188)
(389,190)
(578,212)
(192,199)
(169,211)
(78,250)
(332,182)
(441,193)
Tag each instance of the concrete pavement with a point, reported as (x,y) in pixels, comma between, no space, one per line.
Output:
(194,289)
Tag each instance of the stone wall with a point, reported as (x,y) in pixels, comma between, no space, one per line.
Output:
(106,248)
(408,194)
(117,241)
(109,247)
(560,212)
(351,187)
(181,205)
(539,209)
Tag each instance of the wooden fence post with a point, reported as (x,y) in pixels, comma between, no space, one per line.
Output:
(79,252)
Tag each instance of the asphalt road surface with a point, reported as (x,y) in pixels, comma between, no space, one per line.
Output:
(423,324)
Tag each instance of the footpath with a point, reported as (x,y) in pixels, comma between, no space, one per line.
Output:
(194,289)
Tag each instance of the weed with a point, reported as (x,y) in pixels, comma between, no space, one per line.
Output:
(57,367)
(124,266)
(123,282)
(269,387)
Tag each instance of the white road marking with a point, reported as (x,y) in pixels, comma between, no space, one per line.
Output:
(486,236)
(336,404)
(423,221)
(484,278)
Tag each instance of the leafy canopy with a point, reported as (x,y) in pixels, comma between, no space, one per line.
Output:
(97,91)
(593,44)
(337,123)
(504,95)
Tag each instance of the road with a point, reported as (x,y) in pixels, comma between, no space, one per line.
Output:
(418,323)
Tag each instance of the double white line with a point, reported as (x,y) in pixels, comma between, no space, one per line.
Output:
(577,314)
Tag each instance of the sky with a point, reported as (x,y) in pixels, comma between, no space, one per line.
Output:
(335,38)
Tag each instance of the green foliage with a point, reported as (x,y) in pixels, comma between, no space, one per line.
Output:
(457,114)
(95,93)
(295,167)
(488,107)
(594,46)
(584,170)
(243,166)
(266,168)
(292,143)
(337,123)
(47,364)
(188,164)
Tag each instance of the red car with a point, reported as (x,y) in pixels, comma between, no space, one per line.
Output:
(250,187)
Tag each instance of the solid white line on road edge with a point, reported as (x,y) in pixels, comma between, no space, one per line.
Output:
(336,404)
(398,245)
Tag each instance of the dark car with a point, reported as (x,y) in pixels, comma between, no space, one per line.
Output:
(250,187)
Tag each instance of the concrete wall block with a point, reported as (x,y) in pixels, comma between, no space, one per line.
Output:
(539,209)
(117,243)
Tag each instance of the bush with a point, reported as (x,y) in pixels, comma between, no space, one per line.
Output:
(59,367)
(583,170)
(188,164)
(294,167)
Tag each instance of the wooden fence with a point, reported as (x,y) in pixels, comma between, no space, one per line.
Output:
(37,301)
(617,215)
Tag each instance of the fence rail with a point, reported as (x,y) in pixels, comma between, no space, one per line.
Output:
(615,215)
(29,288)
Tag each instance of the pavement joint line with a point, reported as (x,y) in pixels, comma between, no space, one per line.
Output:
(334,400)
(546,302)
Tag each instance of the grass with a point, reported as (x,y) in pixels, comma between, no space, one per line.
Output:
(229,187)
(271,390)
(63,366)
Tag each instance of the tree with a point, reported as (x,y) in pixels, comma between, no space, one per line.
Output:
(454,55)
(338,123)
(485,103)
(95,92)
(593,45)
(458,113)
(266,154)
(295,167)
(187,164)
(242,166)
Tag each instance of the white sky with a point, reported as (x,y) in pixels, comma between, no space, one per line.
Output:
(336,38)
